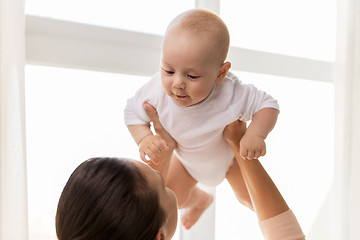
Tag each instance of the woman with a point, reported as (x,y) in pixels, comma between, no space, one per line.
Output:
(110,198)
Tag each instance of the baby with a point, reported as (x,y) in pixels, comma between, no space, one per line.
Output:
(196,97)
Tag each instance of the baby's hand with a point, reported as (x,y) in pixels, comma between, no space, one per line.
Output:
(152,146)
(252,146)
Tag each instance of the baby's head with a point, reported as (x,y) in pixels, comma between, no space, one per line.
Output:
(193,56)
(205,26)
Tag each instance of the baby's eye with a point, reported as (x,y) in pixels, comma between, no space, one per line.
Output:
(193,77)
(168,72)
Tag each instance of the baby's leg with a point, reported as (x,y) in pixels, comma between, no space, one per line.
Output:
(235,176)
(190,197)
(237,183)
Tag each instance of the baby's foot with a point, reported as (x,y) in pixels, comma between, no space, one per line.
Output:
(191,215)
(234,131)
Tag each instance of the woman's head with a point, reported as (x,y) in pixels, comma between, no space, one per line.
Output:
(110,198)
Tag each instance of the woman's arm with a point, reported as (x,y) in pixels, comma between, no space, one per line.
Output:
(165,157)
(266,198)
(276,220)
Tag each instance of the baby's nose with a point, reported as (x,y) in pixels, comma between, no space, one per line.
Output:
(179,82)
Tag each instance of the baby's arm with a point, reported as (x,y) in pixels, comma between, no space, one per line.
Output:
(149,145)
(252,145)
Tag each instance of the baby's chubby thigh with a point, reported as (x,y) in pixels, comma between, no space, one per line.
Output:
(180,181)
(208,159)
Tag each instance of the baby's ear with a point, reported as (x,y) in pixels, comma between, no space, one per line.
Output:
(224,69)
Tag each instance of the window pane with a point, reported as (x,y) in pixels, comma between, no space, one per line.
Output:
(304,28)
(299,155)
(71,115)
(136,15)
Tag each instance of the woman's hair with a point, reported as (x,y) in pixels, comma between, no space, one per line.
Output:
(108,198)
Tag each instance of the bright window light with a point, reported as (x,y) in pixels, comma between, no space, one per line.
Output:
(299,155)
(71,115)
(135,15)
(304,28)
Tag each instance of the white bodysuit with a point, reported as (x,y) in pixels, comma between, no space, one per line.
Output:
(198,130)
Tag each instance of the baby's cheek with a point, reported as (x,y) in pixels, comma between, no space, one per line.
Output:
(203,92)
(166,83)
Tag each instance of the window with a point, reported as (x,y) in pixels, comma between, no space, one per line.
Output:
(66,106)
(299,155)
(71,115)
(136,15)
(303,28)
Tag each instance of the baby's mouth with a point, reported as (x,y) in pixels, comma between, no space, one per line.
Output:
(180,96)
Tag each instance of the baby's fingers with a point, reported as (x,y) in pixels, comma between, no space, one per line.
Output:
(152,153)
(158,145)
(149,156)
(162,145)
(259,153)
(263,151)
(244,153)
(143,157)
(251,155)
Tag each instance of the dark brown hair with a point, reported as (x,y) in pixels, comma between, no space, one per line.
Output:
(105,199)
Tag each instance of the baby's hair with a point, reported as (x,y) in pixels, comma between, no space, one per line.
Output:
(108,198)
(203,21)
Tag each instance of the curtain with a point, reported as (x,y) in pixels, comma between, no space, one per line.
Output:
(347,122)
(13,190)
(339,216)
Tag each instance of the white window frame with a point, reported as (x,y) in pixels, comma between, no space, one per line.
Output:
(73,45)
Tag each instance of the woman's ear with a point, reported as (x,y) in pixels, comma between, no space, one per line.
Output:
(160,236)
(224,69)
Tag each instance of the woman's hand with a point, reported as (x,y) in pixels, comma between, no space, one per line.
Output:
(159,129)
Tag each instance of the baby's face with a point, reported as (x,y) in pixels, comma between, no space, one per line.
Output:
(189,67)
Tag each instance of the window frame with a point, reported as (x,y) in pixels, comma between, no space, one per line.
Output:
(60,43)
(74,45)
